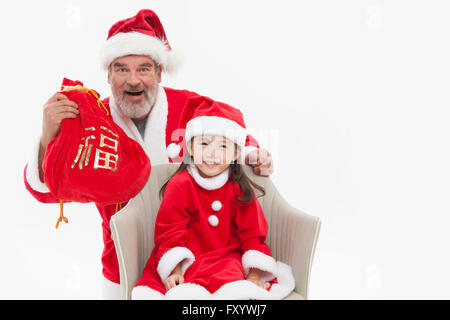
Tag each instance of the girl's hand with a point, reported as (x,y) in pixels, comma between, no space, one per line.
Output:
(253,276)
(175,278)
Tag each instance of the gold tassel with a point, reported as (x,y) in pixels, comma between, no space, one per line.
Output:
(61,214)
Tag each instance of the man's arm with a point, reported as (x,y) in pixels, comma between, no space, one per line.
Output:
(56,109)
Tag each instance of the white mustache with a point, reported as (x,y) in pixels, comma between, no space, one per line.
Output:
(135,89)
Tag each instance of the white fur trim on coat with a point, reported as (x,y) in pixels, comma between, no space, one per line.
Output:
(286,281)
(261,261)
(136,43)
(32,172)
(208,183)
(172,258)
(188,291)
(154,141)
(235,290)
(145,293)
(244,289)
(241,290)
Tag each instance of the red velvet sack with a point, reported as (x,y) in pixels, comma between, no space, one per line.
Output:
(92,159)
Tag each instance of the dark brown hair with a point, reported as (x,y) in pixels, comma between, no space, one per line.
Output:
(238,175)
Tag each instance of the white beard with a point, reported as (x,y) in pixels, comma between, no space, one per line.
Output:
(132,111)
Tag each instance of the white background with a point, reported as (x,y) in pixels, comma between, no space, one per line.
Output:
(351,97)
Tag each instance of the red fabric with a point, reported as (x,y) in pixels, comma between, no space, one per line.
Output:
(182,221)
(216,109)
(145,21)
(176,100)
(250,141)
(92,159)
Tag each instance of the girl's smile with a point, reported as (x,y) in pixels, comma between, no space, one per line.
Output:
(212,154)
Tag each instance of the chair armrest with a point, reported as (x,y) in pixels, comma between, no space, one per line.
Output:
(125,232)
(131,234)
(292,234)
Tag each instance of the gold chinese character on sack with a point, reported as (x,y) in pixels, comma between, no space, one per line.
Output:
(103,159)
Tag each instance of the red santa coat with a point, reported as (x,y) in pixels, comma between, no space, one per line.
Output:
(216,239)
(161,130)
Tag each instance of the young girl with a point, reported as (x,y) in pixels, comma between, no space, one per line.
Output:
(210,228)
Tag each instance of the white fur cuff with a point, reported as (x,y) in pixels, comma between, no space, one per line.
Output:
(261,261)
(32,172)
(172,258)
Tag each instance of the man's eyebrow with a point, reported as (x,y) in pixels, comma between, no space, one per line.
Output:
(146,64)
(118,64)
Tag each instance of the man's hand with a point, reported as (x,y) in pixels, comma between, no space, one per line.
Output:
(57,108)
(261,161)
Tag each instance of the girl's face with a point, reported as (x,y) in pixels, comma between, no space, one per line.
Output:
(212,154)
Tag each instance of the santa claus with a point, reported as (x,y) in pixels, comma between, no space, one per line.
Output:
(135,54)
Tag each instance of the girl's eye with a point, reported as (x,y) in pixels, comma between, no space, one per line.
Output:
(204,144)
(223,146)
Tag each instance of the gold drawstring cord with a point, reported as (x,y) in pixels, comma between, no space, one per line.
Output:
(61,214)
(87,90)
(118,207)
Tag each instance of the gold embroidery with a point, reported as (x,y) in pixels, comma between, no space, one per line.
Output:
(86,148)
(103,159)
(109,159)
(106,129)
(88,155)
(80,148)
(104,138)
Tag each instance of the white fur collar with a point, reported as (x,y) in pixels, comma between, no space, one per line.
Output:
(208,183)
(154,141)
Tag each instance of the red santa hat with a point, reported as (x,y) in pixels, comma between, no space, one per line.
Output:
(202,115)
(142,34)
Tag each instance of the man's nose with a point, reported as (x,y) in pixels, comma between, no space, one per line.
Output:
(133,79)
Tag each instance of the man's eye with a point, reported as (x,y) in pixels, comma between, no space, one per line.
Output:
(144,70)
(121,70)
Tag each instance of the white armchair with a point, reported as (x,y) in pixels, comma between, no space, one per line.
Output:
(292,234)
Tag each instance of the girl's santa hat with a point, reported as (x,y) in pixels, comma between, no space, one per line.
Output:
(204,116)
(142,34)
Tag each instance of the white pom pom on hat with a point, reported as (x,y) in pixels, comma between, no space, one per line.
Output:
(173,150)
